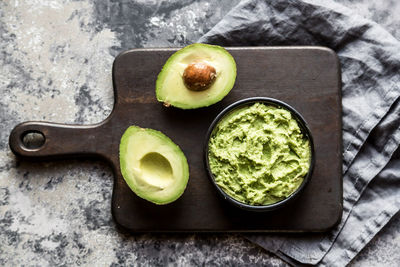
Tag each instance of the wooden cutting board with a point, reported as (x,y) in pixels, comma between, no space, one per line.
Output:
(307,78)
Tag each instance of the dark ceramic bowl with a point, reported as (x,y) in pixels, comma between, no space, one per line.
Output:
(304,128)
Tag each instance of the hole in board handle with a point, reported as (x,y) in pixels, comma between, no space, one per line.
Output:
(33,139)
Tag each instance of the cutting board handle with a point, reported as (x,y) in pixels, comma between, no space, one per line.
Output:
(57,140)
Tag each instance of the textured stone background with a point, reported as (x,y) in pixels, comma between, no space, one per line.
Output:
(56,59)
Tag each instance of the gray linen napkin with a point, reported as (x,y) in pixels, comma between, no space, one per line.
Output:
(370,59)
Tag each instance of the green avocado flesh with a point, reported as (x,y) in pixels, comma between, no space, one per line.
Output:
(171,88)
(153,166)
(258,154)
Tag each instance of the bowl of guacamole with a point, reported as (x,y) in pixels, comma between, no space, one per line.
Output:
(259,153)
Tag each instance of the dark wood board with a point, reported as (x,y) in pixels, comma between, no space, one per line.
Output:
(307,78)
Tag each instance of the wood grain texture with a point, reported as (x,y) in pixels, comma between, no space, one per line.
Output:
(307,78)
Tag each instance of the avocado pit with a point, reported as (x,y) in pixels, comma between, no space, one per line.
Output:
(199,76)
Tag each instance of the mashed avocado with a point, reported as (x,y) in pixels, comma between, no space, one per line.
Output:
(258,154)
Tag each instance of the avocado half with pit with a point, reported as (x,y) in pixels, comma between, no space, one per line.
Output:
(153,166)
(197,75)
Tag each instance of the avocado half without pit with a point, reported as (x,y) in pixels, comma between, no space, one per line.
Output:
(197,75)
(153,166)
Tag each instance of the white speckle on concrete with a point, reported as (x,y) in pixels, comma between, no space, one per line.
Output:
(52,44)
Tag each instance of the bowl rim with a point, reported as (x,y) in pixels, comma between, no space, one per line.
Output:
(303,126)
